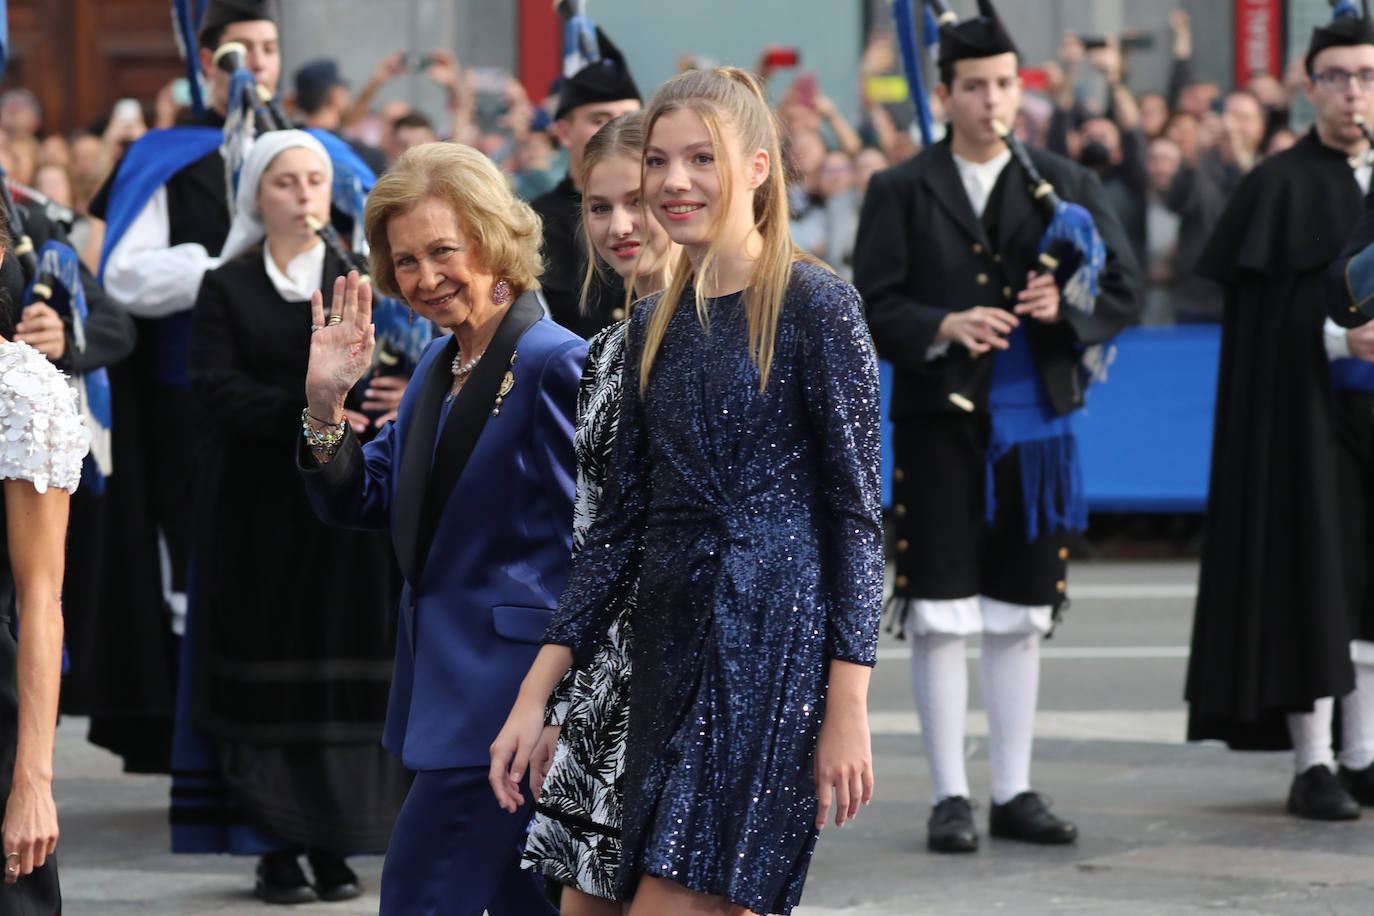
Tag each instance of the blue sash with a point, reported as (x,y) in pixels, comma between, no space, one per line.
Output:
(1051,474)
(148,165)
(1352,374)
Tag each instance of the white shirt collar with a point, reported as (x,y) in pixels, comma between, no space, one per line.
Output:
(980,177)
(302,275)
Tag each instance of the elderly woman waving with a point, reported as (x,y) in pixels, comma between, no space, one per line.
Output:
(475,480)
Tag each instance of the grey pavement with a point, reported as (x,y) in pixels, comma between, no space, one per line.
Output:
(1166,827)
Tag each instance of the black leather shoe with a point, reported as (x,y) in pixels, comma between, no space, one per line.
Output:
(1318,795)
(1360,784)
(950,828)
(334,880)
(280,880)
(1026,817)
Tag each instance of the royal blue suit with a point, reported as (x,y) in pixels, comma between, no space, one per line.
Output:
(485,547)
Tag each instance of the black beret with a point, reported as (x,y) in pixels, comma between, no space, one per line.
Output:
(982,36)
(1345,32)
(607,80)
(219,13)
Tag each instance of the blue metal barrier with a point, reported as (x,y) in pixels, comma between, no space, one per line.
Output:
(1146,433)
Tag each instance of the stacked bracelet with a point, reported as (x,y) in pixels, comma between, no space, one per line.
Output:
(327,438)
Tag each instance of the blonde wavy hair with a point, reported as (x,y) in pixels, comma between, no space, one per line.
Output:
(505,230)
(732,104)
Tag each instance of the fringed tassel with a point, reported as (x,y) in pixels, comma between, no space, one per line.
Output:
(1051,486)
(897,611)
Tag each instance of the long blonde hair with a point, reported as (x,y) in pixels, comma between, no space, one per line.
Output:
(730,98)
(622,136)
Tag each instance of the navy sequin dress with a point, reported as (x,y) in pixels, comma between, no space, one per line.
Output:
(750,521)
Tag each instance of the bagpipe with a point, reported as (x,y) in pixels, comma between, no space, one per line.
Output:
(1071,248)
(401,338)
(59,214)
(1363,125)
(580,45)
(52,277)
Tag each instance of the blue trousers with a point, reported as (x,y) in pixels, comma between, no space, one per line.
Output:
(454,852)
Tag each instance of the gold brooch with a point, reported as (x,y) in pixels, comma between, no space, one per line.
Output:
(507,384)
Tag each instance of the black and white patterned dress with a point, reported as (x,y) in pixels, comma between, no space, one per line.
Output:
(575,836)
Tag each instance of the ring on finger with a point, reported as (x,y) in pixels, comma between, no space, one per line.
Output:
(314,328)
(335,319)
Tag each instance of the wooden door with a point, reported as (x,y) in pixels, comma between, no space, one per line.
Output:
(80,56)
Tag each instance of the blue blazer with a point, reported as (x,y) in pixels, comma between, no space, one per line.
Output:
(478,595)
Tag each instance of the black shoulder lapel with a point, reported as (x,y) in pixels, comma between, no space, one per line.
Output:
(468,417)
(416,455)
(942,179)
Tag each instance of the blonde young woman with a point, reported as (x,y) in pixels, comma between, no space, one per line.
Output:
(742,503)
(575,838)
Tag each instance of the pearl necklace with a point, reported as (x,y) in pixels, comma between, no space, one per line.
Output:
(462,369)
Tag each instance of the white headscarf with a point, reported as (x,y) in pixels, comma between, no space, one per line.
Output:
(247,229)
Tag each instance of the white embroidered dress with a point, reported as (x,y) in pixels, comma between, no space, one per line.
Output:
(42,437)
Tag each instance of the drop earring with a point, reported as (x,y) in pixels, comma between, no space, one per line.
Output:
(500,293)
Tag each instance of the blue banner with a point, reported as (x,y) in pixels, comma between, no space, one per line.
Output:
(4,35)
(186,16)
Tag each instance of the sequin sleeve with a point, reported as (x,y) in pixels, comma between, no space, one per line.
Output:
(841,384)
(44,440)
(607,563)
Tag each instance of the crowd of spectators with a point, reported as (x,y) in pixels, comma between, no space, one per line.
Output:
(1169,159)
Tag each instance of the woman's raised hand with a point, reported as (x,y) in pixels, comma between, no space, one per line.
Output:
(340,347)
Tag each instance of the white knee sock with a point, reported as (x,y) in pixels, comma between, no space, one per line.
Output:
(1010,672)
(1311,734)
(939,678)
(1357,720)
